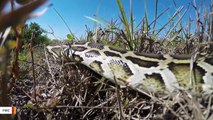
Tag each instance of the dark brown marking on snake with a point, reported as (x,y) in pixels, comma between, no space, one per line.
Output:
(142,63)
(118,50)
(80,43)
(209,61)
(92,53)
(155,76)
(172,65)
(96,45)
(78,48)
(150,55)
(107,53)
(181,57)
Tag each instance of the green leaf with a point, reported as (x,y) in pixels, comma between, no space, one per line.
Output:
(22,56)
(28,106)
(70,37)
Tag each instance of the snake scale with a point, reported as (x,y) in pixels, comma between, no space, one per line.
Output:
(141,71)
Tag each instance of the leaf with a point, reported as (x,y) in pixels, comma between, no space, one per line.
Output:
(22,56)
(28,106)
(70,37)
(2,50)
(11,44)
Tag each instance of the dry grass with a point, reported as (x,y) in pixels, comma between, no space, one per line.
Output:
(67,90)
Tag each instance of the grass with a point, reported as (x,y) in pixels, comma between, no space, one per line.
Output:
(132,36)
(43,88)
(72,91)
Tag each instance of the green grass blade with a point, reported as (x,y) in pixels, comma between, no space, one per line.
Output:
(124,19)
(131,25)
(156,13)
(97,21)
(146,18)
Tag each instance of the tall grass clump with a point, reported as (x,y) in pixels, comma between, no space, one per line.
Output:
(176,34)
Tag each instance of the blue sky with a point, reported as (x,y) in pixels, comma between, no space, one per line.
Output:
(74,12)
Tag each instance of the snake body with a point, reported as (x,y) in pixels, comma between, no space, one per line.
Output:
(142,71)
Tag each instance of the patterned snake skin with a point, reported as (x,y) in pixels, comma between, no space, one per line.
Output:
(141,71)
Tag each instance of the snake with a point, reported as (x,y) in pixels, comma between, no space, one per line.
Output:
(141,71)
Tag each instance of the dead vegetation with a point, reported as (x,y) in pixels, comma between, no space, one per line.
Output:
(43,88)
(65,90)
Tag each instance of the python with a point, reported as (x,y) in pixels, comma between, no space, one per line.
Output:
(141,71)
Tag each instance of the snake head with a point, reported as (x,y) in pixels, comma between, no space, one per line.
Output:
(66,52)
(77,52)
(57,51)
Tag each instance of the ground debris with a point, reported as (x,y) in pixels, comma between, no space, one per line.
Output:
(69,91)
